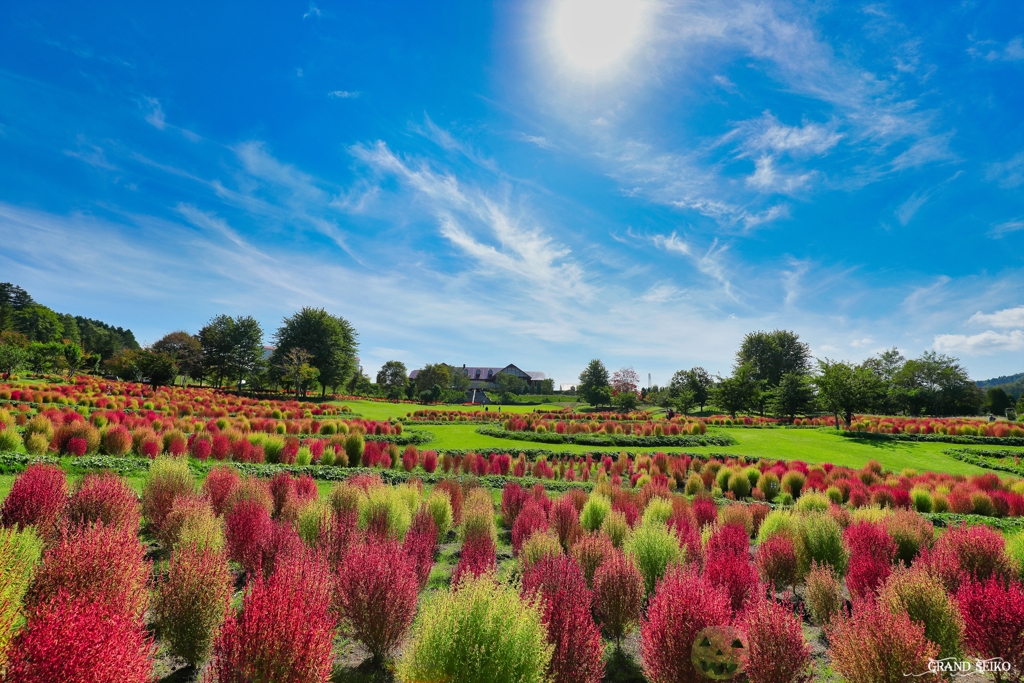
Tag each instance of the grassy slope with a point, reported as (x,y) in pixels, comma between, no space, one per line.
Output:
(809,445)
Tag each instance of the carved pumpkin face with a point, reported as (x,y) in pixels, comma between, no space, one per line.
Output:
(718,652)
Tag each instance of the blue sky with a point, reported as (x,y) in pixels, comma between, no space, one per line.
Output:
(534,182)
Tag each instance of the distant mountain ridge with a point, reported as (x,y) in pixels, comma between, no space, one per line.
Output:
(1013,385)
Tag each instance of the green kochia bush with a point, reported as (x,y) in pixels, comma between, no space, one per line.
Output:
(654,549)
(594,512)
(19,553)
(384,511)
(820,539)
(481,632)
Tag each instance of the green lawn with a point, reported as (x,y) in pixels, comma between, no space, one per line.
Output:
(809,445)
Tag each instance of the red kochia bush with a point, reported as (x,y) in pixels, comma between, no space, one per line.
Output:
(736,575)
(513,498)
(590,550)
(117,440)
(993,614)
(532,518)
(967,552)
(776,561)
(430,461)
(454,492)
(565,520)
(220,483)
(562,589)
(705,511)
(478,556)
(688,533)
(618,595)
(419,544)
(69,638)
(877,645)
(39,496)
(104,497)
(285,631)
(776,651)
(730,539)
(282,489)
(872,552)
(683,604)
(376,595)
(104,564)
(248,532)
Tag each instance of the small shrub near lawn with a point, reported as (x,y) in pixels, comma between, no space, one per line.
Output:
(285,631)
(776,650)
(249,530)
(478,515)
(654,549)
(513,498)
(530,519)
(618,595)
(166,479)
(439,505)
(106,498)
(684,604)
(877,645)
(993,613)
(542,545)
(911,532)
(481,632)
(616,528)
(872,552)
(19,553)
(920,596)
(376,595)
(190,602)
(96,641)
(419,546)
(455,498)
(565,521)
(39,497)
(824,594)
(383,513)
(967,552)
(559,585)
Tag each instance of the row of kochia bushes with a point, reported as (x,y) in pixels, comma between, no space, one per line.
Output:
(83,601)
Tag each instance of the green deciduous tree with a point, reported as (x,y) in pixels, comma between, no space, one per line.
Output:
(330,341)
(74,358)
(771,355)
(186,351)
(392,379)
(997,401)
(793,395)
(509,385)
(433,374)
(232,347)
(38,323)
(594,387)
(739,392)
(844,388)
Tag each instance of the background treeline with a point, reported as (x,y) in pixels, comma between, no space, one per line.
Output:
(38,338)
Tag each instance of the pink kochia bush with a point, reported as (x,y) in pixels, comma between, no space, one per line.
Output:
(104,498)
(727,565)
(248,533)
(478,556)
(776,651)
(967,552)
(776,561)
(376,595)
(993,613)
(530,519)
(419,545)
(559,584)
(285,631)
(872,552)
(878,645)
(103,564)
(513,498)
(683,604)
(618,595)
(220,483)
(39,496)
(70,638)
(565,520)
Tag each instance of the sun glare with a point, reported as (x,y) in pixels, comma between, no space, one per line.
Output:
(597,37)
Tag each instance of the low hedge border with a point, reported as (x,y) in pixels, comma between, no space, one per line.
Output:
(980,459)
(938,438)
(691,440)
(948,519)
(403,439)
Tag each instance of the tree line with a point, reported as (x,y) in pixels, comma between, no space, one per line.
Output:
(775,374)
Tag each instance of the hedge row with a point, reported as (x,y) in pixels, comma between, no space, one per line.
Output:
(691,440)
(938,438)
(973,458)
(948,519)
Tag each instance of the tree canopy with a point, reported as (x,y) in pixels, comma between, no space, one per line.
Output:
(330,341)
(593,386)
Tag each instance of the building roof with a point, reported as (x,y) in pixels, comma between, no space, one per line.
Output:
(485,373)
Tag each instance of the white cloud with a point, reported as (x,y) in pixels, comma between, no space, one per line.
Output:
(767,134)
(155,116)
(313,11)
(1009,173)
(344,94)
(985,343)
(993,51)
(908,209)
(862,343)
(1005,228)
(925,151)
(538,140)
(1008,317)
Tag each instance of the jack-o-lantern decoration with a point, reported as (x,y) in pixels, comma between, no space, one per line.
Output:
(718,652)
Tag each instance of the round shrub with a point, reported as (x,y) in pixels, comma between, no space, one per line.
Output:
(19,553)
(739,485)
(877,644)
(9,439)
(104,497)
(248,531)
(166,479)
(594,512)
(968,552)
(812,501)
(1015,553)
(513,498)
(220,483)
(705,511)
(768,484)
(776,650)
(482,632)
(824,594)
(478,556)
(616,528)
(542,544)
(778,522)
(735,575)
(420,545)
(911,532)
(793,483)
(654,549)
(190,601)
(39,497)
(183,511)
(530,520)
(658,511)
(565,521)
(777,563)
(440,508)
(590,550)
(618,595)
(684,604)
(455,498)
(993,614)
(922,597)
(117,441)
(104,564)
(96,641)
(376,595)
(872,552)
(285,631)
(383,513)
(820,539)
(738,515)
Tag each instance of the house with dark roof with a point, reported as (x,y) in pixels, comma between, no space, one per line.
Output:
(486,378)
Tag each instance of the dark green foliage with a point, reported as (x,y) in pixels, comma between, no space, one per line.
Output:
(329,340)
(593,387)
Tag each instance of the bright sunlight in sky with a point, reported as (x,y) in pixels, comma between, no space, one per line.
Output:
(596,37)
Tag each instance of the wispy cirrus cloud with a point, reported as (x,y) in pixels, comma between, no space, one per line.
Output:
(1007,317)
